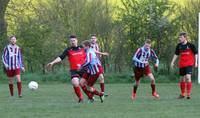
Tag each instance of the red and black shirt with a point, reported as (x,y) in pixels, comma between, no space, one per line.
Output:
(76,56)
(186,52)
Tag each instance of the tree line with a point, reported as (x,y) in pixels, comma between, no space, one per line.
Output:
(42,28)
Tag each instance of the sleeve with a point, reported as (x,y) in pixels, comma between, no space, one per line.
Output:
(20,58)
(136,55)
(194,50)
(64,54)
(177,50)
(5,57)
(154,57)
(88,60)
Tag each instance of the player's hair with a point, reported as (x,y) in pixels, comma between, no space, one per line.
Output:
(86,43)
(93,35)
(183,34)
(72,36)
(148,41)
(12,36)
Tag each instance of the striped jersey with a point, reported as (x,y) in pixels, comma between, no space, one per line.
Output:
(95,46)
(12,57)
(92,62)
(143,55)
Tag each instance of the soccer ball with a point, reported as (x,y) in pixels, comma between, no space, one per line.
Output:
(33,85)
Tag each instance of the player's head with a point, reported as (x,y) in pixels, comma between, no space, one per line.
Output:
(147,44)
(13,39)
(86,44)
(73,41)
(182,37)
(93,38)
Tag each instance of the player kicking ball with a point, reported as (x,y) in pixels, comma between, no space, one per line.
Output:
(141,67)
(93,70)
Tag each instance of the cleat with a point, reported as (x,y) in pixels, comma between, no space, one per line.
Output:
(20,96)
(106,95)
(133,97)
(101,98)
(181,97)
(188,97)
(155,95)
(80,100)
(91,100)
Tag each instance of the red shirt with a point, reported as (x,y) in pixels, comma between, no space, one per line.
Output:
(76,56)
(186,52)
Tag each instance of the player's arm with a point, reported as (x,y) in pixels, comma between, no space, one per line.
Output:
(5,57)
(102,53)
(155,58)
(88,60)
(196,55)
(20,57)
(58,59)
(173,60)
(175,56)
(136,55)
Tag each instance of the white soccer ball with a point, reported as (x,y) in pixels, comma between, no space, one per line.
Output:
(33,85)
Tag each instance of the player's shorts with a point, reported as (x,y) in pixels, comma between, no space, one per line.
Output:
(76,73)
(185,70)
(140,72)
(12,73)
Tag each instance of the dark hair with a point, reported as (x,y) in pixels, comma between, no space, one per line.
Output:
(183,34)
(72,36)
(86,43)
(12,36)
(93,35)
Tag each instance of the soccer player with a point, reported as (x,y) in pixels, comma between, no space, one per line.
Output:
(13,62)
(141,67)
(76,56)
(187,58)
(93,70)
(95,46)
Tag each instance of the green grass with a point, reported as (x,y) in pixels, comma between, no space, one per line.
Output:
(54,100)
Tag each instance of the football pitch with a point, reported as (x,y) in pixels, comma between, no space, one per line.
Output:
(55,100)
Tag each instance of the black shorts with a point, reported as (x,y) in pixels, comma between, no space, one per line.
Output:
(185,70)
(76,73)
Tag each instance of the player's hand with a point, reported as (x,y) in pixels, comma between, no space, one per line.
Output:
(172,65)
(23,69)
(196,65)
(49,66)
(106,54)
(156,67)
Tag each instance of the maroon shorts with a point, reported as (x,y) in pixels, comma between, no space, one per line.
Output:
(12,73)
(140,72)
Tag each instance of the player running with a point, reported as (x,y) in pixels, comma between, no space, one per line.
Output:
(76,56)
(96,48)
(141,67)
(187,58)
(13,62)
(93,70)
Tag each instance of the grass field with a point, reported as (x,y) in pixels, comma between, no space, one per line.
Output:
(55,100)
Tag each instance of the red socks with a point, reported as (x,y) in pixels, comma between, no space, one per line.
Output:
(134,89)
(182,86)
(153,87)
(102,86)
(77,90)
(188,87)
(19,87)
(88,93)
(11,89)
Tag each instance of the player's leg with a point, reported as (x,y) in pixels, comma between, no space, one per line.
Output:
(19,83)
(77,90)
(101,81)
(188,81)
(153,85)
(83,84)
(182,83)
(10,75)
(138,74)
